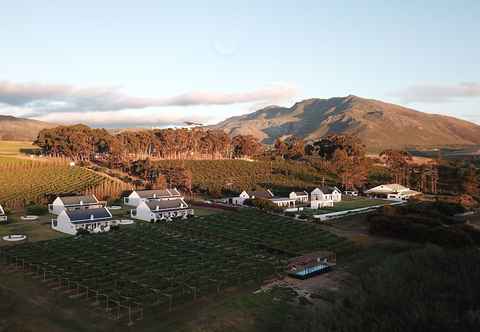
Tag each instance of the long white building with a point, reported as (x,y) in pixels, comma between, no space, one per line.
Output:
(94,220)
(72,203)
(158,210)
(138,196)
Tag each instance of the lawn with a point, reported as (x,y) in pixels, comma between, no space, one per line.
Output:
(349,204)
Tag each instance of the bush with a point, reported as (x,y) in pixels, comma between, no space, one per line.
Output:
(431,289)
(37,210)
(263,204)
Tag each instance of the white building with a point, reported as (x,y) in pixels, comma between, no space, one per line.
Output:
(74,203)
(393,191)
(244,195)
(94,220)
(157,210)
(283,202)
(299,196)
(3,216)
(139,196)
(324,197)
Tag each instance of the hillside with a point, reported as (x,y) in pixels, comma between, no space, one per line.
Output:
(19,129)
(378,124)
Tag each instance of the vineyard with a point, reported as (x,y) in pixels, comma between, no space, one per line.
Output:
(153,268)
(24,180)
(238,175)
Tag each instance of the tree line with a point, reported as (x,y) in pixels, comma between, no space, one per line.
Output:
(80,142)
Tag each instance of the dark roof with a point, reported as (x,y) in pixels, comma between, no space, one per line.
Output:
(165,204)
(260,194)
(301,193)
(159,193)
(89,215)
(327,190)
(75,200)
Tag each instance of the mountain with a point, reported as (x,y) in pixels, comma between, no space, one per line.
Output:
(19,129)
(380,125)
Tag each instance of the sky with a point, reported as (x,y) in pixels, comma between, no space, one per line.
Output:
(158,63)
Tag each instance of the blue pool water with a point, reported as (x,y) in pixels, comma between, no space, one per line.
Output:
(311,270)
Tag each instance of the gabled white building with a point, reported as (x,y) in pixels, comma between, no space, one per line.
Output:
(244,195)
(299,196)
(157,210)
(71,203)
(94,220)
(3,216)
(393,191)
(324,197)
(138,196)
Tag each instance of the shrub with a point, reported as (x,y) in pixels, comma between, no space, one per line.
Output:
(35,209)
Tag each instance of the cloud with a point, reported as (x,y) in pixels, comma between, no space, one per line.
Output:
(435,93)
(39,100)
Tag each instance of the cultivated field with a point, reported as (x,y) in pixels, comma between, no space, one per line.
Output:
(24,180)
(154,267)
(238,175)
(16,148)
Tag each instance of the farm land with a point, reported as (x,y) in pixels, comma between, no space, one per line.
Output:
(201,258)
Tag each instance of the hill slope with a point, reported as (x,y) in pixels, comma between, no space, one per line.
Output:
(18,129)
(378,124)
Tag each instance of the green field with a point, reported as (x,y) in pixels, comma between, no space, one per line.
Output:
(349,204)
(152,267)
(24,180)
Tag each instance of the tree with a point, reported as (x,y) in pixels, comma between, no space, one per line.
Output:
(398,161)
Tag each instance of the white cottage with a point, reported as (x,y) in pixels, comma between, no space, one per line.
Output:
(157,210)
(393,191)
(139,196)
(324,197)
(71,203)
(94,220)
(299,196)
(3,216)
(244,195)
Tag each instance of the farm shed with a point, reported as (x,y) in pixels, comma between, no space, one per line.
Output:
(93,220)
(71,203)
(153,211)
(307,266)
(3,216)
(138,196)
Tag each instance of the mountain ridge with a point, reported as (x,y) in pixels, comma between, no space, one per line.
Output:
(377,123)
(21,129)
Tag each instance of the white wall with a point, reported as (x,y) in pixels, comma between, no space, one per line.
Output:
(64,225)
(57,206)
(143,212)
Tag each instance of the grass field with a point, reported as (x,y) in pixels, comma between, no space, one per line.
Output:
(151,267)
(349,204)
(16,148)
